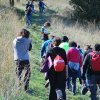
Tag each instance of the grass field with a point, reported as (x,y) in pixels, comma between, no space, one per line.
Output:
(12,21)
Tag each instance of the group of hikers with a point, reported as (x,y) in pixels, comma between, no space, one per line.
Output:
(29,11)
(62,62)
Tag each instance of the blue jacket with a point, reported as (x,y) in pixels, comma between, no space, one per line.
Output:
(45,47)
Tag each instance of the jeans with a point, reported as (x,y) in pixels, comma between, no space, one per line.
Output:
(73,79)
(73,74)
(41,10)
(91,84)
(28,20)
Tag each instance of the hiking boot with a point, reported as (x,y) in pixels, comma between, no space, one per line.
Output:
(84,90)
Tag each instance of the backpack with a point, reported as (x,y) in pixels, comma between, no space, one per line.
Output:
(95,62)
(58,63)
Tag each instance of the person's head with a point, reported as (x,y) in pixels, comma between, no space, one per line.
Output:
(97,47)
(87,47)
(24,33)
(72,44)
(56,41)
(64,39)
(47,24)
(52,37)
(78,46)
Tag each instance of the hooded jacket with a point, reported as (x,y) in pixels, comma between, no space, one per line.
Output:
(21,47)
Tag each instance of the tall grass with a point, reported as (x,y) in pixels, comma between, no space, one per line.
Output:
(9,26)
(60,25)
(89,34)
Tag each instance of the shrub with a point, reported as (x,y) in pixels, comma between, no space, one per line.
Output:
(86,9)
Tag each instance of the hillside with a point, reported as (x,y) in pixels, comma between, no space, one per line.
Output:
(61,24)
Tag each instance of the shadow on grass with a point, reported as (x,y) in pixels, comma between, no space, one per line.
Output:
(20,13)
(30,92)
(37,19)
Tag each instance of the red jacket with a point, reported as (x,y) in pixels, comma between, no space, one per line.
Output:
(74,55)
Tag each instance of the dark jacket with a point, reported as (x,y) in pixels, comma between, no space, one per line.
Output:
(87,52)
(57,79)
(87,69)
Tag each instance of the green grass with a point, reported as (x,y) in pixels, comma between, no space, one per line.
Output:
(38,91)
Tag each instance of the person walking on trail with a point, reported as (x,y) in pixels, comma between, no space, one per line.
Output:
(57,73)
(31,5)
(46,46)
(41,6)
(91,71)
(22,45)
(64,44)
(28,16)
(45,32)
(74,63)
(88,49)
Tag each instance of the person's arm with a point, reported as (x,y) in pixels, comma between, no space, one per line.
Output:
(67,55)
(30,47)
(85,66)
(66,64)
(42,50)
(42,30)
(45,5)
(80,61)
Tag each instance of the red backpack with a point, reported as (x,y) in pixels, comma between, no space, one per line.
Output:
(59,63)
(95,62)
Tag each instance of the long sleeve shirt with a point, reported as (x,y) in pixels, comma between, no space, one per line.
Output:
(74,55)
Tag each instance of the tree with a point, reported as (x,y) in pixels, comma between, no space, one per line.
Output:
(11,3)
(86,9)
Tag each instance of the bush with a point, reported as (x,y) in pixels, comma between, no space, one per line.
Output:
(86,9)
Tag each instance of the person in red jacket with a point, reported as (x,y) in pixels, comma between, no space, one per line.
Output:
(91,71)
(74,59)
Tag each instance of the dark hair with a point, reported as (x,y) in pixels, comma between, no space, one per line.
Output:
(47,24)
(64,39)
(97,47)
(52,36)
(78,46)
(24,33)
(56,41)
(88,47)
(72,44)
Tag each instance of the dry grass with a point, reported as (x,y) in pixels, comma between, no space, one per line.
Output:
(9,26)
(80,34)
(61,24)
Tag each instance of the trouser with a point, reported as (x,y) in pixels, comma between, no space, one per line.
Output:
(41,9)
(20,66)
(73,79)
(54,86)
(91,84)
(28,20)
(53,95)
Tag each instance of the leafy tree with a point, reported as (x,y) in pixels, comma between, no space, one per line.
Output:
(86,9)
